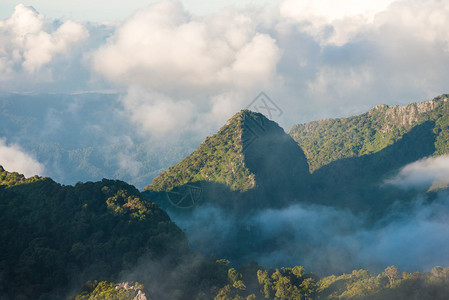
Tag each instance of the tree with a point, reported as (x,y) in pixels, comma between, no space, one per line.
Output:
(392,273)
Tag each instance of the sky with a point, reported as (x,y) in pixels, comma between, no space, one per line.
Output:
(183,68)
(116,11)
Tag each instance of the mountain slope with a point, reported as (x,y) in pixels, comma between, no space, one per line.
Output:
(53,236)
(358,183)
(249,151)
(329,140)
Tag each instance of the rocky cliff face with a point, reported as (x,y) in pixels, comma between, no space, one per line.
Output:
(407,115)
(139,293)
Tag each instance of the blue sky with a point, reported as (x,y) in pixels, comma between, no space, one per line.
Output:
(116,10)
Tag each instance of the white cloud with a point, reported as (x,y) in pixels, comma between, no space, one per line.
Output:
(162,47)
(157,114)
(423,173)
(14,159)
(327,239)
(332,10)
(28,41)
(393,52)
(42,47)
(332,21)
(338,22)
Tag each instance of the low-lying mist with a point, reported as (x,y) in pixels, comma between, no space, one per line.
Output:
(324,239)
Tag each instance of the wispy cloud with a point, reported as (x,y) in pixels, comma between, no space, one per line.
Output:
(14,159)
(325,239)
(423,173)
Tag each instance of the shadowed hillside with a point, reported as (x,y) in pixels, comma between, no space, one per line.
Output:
(357,183)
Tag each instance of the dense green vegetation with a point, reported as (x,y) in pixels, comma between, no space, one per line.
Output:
(107,290)
(391,284)
(249,153)
(218,159)
(330,140)
(8,179)
(354,155)
(54,235)
(350,158)
(255,282)
(357,183)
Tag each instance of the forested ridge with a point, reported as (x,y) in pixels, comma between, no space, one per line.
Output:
(53,235)
(329,140)
(218,159)
(339,162)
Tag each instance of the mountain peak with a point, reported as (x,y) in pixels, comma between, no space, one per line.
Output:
(218,159)
(245,115)
(246,152)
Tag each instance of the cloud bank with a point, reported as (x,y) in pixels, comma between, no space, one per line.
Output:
(315,59)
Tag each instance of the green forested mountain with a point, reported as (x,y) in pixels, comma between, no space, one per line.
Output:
(54,236)
(329,140)
(249,153)
(350,158)
(245,153)
(218,159)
